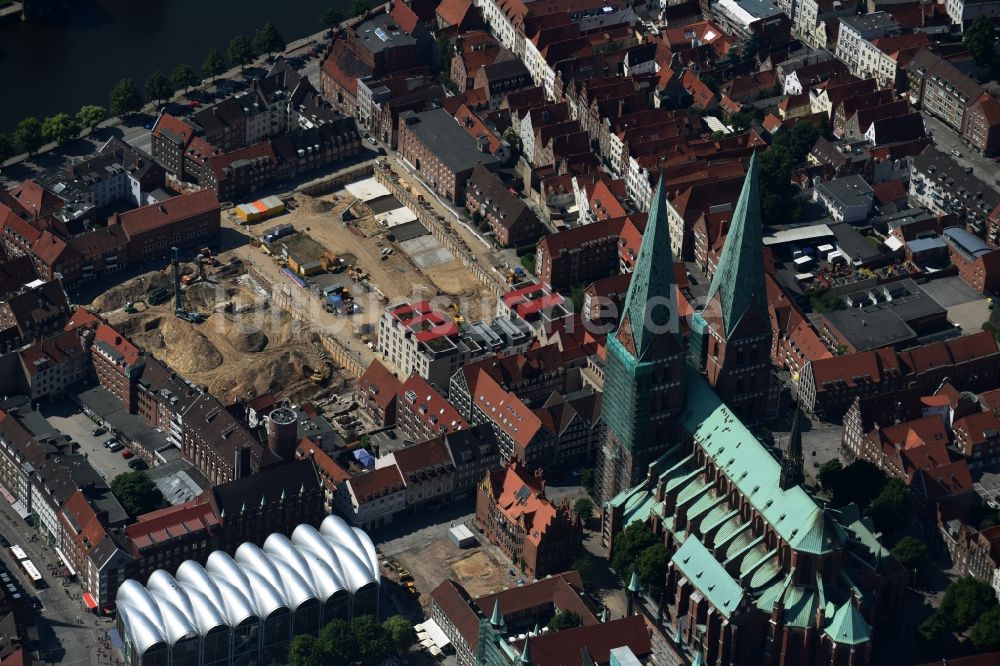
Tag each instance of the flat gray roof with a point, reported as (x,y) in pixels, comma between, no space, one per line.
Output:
(381,32)
(452,144)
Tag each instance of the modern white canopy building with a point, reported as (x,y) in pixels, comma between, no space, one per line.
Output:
(247,608)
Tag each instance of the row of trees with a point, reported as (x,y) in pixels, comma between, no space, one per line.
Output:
(333,17)
(967,603)
(126,97)
(137,493)
(363,640)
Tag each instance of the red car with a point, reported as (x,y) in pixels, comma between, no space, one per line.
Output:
(127,453)
(194,103)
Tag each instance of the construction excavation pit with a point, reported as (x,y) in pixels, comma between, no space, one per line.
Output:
(223,334)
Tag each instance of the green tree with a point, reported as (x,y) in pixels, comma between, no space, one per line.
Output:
(576,295)
(980,39)
(828,473)
(583,509)
(91,115)
(892,509)
(338,642)
(584,565)
(910,552)
(588,479)
(157,87)
(513,140)
(60,128)
(125,98)
(6,148)
(136,492)
(400,633)
(860,482)
(359,7)
(268,39)
(28,135)
(934,628)
(214,65)
(628,546)
(565,619)
(371,640)
(652,569)
(965,601)
(331,18)
(986,633)
(307,650)
(240,51)
(184,77)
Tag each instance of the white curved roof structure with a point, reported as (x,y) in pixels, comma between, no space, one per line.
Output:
(228,591)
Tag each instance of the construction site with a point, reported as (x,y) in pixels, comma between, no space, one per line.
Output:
(222,332)
(216,318)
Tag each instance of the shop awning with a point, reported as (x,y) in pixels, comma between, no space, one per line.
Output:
(433,632)
(89,600)
(65,560)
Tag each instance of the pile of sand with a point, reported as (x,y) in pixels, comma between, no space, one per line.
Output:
(207,296)
(312,205)
(244,336)
(133,290)
(183,348)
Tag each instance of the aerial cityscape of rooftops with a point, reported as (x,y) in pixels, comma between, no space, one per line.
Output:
(505,333)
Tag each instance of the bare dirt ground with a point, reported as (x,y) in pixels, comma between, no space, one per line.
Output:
(475,568)
(244,348)
(397,276)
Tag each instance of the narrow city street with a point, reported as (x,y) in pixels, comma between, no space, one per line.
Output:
(67,633)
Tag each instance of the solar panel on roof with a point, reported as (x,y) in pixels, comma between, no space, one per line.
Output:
(522,494)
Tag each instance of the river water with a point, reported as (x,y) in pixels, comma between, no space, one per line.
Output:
(48,68)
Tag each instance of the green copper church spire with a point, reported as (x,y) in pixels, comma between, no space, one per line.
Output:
(739,277)
(792,473)
(497,619)
(650,302)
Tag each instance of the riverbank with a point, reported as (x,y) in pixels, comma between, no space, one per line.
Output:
(206,88)
(57,67)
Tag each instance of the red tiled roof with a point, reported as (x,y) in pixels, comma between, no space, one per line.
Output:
(379,383)
(562,590)
(504,409)
(890,191)
(405,17)
(109,336)
(456,604)
(562,648)
(520,497)
(436,413)
(452,12)
(344,67)
(328,467)
(175,126)
(167,212)
(701,95)
(376,483)
(157,529)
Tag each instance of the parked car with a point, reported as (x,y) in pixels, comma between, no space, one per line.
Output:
(4,542)
(109,442)
(149,125)
(127,453)
(137,463)
(116,447)
(194,103)
(98,431)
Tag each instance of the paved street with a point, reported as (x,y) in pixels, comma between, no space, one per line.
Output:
(68,419)
(947,141)
(67,633)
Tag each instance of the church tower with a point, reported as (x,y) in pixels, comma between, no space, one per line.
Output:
(792,473)
(731,337)
(644,371)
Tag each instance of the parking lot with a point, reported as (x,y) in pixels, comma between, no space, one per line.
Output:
(68,419)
